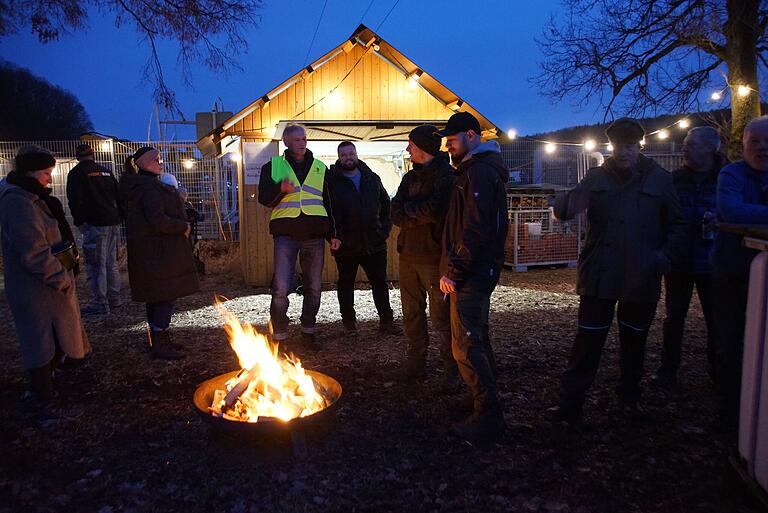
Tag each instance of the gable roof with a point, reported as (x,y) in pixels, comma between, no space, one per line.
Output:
(374,44)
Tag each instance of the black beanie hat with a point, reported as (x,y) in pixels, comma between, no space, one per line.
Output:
(83,151)
(33,158)
(426,138)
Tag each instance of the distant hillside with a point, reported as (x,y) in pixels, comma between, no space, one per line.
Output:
(716,118)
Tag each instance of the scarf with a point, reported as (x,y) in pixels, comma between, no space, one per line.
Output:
(31,184)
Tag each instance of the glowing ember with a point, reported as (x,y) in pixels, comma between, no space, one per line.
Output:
(270,385)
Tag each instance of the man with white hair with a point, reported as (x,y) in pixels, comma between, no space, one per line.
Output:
(742,199)
(695,183)
(294,186)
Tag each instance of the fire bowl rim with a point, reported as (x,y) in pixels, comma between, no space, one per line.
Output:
(204,395)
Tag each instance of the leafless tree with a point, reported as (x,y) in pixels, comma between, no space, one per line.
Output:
(208,32)
(640,56)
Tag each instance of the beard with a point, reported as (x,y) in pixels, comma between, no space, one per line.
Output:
(456,158)
(349,165)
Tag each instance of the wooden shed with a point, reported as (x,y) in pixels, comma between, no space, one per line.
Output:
(365,91)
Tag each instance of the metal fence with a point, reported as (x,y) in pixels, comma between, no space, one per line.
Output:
(211,183)
(536,162)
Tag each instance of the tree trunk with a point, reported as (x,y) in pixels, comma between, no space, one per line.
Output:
(742,31)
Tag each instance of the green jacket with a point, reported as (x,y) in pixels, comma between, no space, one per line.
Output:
(634,229)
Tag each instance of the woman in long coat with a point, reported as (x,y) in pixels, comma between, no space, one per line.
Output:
(160,263)
(40,288)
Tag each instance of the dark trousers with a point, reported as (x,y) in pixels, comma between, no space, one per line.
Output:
(159,315)
(595,319)
(417,281)
(731,293)
(679,289)
(375,267)
(471,343)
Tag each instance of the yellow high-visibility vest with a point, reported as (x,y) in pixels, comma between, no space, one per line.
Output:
(307,197)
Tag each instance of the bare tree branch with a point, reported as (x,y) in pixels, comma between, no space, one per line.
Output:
(206,31)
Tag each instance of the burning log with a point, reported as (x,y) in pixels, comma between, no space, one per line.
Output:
(239,389)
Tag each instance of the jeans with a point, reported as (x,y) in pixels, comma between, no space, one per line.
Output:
(471,343)
(311,254)
(100,248)
(159,315)
(375,267)
(595,319)
(679,289)
(416,281)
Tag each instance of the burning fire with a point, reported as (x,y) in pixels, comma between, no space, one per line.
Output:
(269,385)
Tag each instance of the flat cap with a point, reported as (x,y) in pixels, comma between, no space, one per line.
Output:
(625,130)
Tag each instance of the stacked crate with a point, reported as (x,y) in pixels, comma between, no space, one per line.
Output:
(535,237)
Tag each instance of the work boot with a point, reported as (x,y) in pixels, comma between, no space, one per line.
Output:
(94,310)
(390,328)
(411,370)
(485,426)
(450,382)
(458,407)
(350,329)
(31,407)
(665,378)
(309,341)
(163,348)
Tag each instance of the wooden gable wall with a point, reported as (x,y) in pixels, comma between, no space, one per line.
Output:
(375,90)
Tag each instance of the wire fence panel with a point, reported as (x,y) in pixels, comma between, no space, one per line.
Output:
(535,238)
(211,183)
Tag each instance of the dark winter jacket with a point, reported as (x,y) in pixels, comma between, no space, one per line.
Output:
(634,230)
(419,209)
(477,219)
(160,263)
(742,198)
(696,192)
(303,227)
(93,195)
(362,218)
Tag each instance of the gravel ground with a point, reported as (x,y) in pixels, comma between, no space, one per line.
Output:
(141,446)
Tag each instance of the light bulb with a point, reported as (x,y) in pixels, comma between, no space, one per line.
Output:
(512,133)
(550,148)
(684,123)
(717,95)
(743,90)
(590,144)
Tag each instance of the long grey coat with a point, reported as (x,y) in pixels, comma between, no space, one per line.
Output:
(41,293)
(634,230)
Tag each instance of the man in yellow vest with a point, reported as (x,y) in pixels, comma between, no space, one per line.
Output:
(294,187)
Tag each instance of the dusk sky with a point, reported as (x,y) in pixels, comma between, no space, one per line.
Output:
(484,51)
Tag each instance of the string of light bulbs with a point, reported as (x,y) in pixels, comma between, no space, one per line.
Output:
(661,133)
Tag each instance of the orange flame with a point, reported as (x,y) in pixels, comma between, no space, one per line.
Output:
(278,386)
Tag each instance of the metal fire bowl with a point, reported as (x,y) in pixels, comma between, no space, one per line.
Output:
(204,396)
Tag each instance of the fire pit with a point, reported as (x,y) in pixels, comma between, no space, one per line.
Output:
(206,390)
(270,395)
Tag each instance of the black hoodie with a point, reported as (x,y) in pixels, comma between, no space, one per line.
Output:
(477,220)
